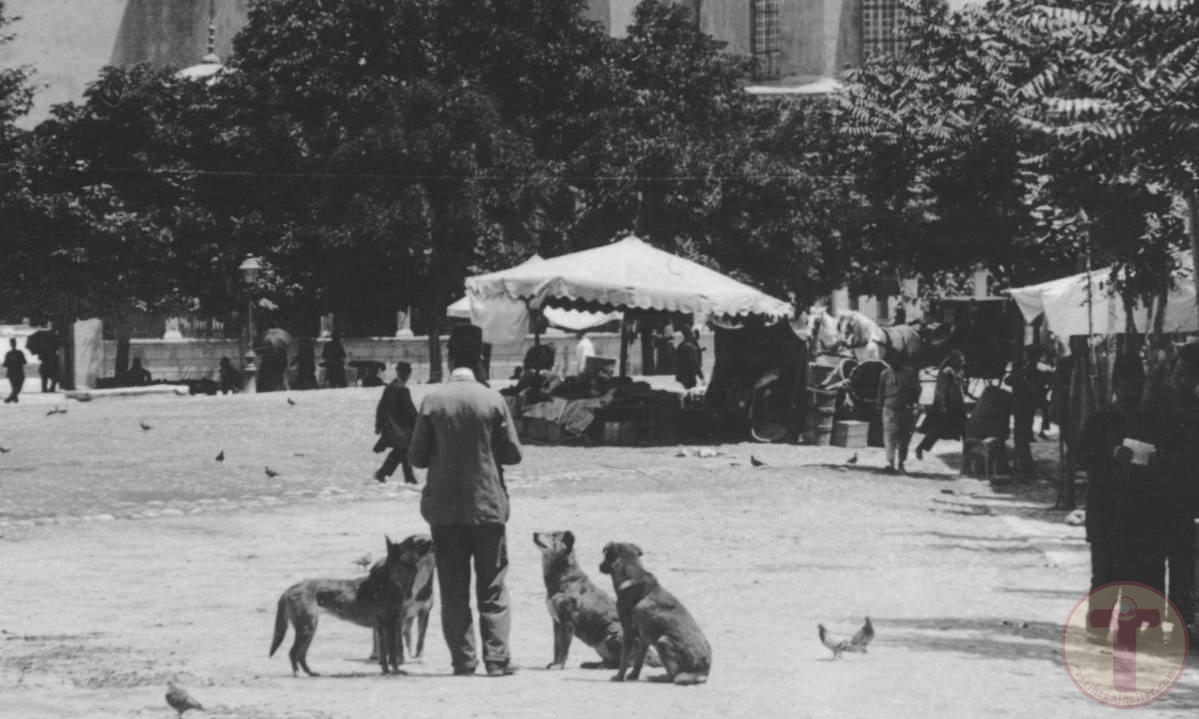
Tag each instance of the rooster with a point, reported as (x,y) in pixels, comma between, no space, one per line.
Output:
(837,644)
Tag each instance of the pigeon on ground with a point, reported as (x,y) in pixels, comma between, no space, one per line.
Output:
(863,636)
(180,700)
(145,427)
(55,411)
(221,456)
(291,401)
(271,473)
(5,450)
(364,561)
(853,459)
(756,462)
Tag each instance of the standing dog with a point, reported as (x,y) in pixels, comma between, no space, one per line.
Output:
(375,601)
(578,607)
(651,615)
(414,617)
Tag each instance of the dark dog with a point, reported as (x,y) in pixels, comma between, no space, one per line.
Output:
(414,617)
(578,607)
(650,615)
(376,601)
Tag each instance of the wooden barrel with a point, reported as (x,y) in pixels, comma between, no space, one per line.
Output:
(819,416)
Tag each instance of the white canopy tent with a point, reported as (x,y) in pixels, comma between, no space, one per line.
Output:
(622,276)
(628,274)
(1067,310)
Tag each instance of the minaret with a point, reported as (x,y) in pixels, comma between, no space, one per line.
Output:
(174,33)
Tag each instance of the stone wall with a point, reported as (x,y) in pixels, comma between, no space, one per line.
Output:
(188,359)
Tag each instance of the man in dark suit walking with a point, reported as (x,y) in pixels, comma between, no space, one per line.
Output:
(395,417)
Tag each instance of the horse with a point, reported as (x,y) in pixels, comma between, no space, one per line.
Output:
(871,341)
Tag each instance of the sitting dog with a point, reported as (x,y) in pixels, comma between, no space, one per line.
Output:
(650,615)
(578,607)
(376,601)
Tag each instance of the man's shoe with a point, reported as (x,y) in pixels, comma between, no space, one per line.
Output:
(380,477)
(464,672)
(500,671)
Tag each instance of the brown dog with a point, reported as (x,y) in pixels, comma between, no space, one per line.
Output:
(376,601)
(650,615)
(578,607)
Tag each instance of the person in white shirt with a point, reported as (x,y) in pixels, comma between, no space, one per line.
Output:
(583,350)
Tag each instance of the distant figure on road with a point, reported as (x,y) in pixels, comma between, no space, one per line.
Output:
(688,359)
(49,368)
(946,417)
(229,377)
(136,375)
(395,417)
(14,362)
(305,364)
(334,356)
(898,398)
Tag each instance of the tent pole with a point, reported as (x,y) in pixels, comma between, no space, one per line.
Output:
(624,346)
(536,325)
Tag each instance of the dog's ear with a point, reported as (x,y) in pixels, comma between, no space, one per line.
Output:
(390,544)
(568,537)
(636,549)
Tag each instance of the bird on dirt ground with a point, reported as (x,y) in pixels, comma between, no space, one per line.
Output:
(756,462)
(863,636)
(55,411)
(145,427)
(270,472)
(364,561)
(180,700)
(853,459)
(838,644)
(221,456)
(5,450)
(291,401)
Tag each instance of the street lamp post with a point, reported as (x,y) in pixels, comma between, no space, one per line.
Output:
(249,273)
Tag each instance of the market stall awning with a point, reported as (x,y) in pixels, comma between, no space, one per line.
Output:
(628,274)
(1068,311)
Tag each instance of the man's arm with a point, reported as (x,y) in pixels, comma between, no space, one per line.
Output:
(421,448)
(506,440)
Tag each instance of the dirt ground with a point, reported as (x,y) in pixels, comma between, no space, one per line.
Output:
(129,557)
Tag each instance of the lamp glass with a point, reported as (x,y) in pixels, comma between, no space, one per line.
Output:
(249,270)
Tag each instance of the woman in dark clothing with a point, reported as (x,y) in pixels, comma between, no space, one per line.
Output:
(334,356)
(395,418)
(14,362)
(947,417)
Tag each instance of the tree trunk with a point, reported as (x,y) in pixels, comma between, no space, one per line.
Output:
(1192,202)
(433,324)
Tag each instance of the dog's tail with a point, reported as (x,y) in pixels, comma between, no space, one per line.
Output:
(690,678)
(280,625)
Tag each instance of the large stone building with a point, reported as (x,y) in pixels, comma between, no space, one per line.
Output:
(798,43)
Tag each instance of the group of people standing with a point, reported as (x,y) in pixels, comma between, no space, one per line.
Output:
(48,367)
(899,401)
